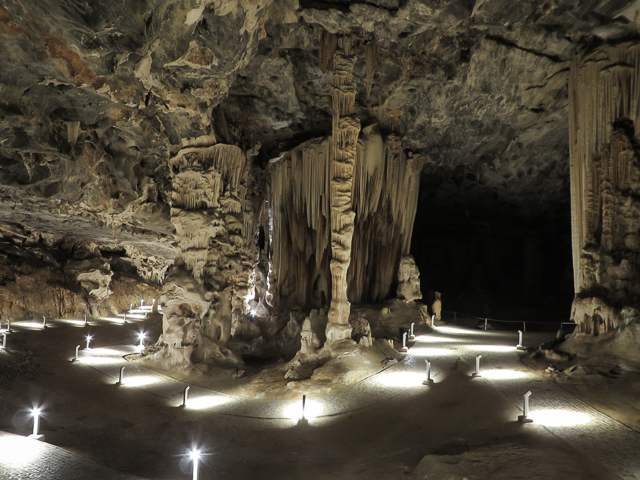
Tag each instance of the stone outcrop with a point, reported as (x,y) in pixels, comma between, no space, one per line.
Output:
(605,176)
(408,280)
(281,170)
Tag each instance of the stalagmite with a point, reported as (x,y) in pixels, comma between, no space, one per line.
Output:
(605,184)
(346,128)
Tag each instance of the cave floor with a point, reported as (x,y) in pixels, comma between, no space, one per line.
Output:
(389,426)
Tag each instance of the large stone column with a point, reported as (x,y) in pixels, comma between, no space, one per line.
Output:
(604,107)
(346,128)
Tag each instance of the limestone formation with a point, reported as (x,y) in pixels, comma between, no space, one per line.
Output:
(408,280)
(344,140)
(257,160)
(605,183)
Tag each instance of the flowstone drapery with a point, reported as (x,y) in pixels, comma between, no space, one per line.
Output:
(205,294)
(605,186)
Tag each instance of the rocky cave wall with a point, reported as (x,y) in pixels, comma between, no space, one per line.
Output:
(140,127)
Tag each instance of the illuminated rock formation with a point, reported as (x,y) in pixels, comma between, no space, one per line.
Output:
(605,185)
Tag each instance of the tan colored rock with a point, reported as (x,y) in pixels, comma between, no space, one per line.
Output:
(408,280)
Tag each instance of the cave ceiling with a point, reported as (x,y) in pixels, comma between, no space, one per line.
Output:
(97,96)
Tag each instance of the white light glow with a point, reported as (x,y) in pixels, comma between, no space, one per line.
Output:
(77,323)
(458,330)
(91,360)
(431,339)
(200,403)
(491,348)
(429,352)
(500,374)
(401,379)
(19,452)
(559,418)
(113,319)
(140,381)
(106,351)
(312,409)
(194,454)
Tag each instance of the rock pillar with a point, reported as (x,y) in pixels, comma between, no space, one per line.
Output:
(345,131)
(604,95)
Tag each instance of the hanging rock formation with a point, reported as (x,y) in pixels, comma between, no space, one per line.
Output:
(605,185)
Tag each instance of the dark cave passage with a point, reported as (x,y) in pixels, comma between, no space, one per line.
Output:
(493,261)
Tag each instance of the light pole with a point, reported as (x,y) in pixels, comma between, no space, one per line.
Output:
(477,372)
(428,380)
(524,418)
(36,423)
(195,457)
(185,396)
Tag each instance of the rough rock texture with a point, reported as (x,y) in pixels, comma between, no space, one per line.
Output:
(408,280)
(153,129)
(605,173)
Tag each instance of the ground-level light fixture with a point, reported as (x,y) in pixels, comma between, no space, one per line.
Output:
(185,395)
(194,455)
(427,381)
(86,322)
(36,424)
(121,376)
(404,342)
(519,346)
(8,325)
(44,322)
(88,337)
(75,359)
(524,418)
(141,336)
(412,336)
(303,419)
(125,317)
(4,340)
(477,372)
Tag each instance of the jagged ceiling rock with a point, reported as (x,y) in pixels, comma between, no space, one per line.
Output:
(95,98)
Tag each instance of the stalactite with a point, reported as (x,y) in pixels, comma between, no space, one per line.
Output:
(327,47)
(604,94)
(372,53)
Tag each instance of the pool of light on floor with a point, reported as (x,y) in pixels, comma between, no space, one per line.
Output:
(139,381)
(491,348)
(401,379)
(207,401)
(559,418)
(502,374)
(459,331)
(432,339)
(312,409)
(429,352)
(97,360)
(19,452)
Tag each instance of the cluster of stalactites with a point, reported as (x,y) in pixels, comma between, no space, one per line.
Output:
(604,86)
(384,197)
(604,105)
(386,185)
(201,175)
